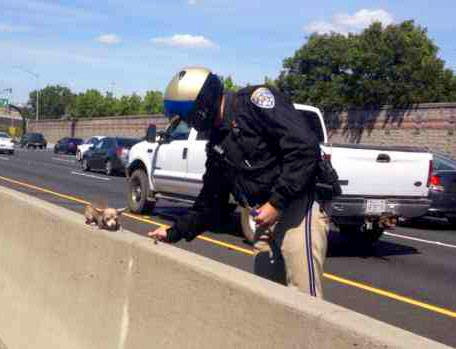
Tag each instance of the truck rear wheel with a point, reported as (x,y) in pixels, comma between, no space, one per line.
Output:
(138,192)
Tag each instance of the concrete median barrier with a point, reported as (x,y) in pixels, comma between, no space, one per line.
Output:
(66,285)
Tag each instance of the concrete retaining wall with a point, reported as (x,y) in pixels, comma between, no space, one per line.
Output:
(431,125)
(66,285)
(126,126)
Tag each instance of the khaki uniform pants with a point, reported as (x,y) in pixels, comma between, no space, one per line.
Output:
(296,255)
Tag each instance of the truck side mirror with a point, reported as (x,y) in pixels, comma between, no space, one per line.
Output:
(163,137)
(151,134)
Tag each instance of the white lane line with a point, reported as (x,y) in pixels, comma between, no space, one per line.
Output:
(4,158)
(438,243)
(90,176)
(65,160)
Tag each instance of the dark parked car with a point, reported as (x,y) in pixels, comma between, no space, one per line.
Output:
(67,145)
(109,155)
(443,188)
(33,140)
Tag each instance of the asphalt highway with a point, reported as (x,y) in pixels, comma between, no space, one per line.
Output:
(407,279)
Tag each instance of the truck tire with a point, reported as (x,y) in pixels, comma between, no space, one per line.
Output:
(108,168)
(358,235)
(85,165)
(138,192)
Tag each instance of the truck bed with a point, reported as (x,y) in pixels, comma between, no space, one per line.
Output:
(381,171)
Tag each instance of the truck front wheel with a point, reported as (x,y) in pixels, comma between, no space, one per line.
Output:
(138,192)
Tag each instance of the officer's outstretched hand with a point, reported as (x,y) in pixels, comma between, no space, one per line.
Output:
(267,215)
(159,234)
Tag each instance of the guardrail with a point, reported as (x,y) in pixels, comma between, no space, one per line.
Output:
(66,285)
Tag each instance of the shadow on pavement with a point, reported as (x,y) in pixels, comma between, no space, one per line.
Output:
(341,246)
(232,225)
(338,244)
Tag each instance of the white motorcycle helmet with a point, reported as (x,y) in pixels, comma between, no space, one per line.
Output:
(194,94)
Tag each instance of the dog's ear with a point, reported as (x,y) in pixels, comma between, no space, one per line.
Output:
(99,210)
(121,210)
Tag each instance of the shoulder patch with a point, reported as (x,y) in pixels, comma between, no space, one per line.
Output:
(262,97)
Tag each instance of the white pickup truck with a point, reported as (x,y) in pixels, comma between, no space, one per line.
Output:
(375,180)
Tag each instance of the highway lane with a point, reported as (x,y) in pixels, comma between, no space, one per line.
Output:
(422,271)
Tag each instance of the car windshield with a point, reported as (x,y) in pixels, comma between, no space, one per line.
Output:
(4,135)
(36,136)
(441,163)
(127,142)
(75,140)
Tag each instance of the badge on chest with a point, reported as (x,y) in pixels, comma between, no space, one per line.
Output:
(262,97)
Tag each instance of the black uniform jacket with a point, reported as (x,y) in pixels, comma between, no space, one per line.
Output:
(263,152)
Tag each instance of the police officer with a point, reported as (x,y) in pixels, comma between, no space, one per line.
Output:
(262,153)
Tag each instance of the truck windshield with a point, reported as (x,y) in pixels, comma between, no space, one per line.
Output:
(36,136)
(181,132)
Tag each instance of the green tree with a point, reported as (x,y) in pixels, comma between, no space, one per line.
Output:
(229,84)
(88,104)
(54,101)
(396,65)
(153,102)
(110,105)
(269,81)
(124,105)
(135,104)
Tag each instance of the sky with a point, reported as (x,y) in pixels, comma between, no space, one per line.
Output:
(131,46)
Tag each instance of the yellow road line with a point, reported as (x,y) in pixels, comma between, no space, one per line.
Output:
(145,219)
(331,277)
(30,186)
(227,245)
(392,295)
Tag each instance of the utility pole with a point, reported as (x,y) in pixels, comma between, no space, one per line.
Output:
(37,77)
(112,88)
(37,99)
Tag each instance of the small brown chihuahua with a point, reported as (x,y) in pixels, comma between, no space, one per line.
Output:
(387,221)
(105,218)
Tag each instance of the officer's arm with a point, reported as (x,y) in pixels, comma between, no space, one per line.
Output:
(297,146)
(206,212)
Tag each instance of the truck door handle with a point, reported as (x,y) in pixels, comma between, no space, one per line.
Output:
(184,153)
(383,158)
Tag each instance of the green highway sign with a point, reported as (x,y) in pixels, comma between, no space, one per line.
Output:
(3,102)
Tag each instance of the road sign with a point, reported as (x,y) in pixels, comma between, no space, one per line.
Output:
(3,102)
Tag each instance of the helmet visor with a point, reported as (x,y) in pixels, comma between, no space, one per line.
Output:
(180,108)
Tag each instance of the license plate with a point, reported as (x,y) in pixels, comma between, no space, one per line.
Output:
(375,206)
